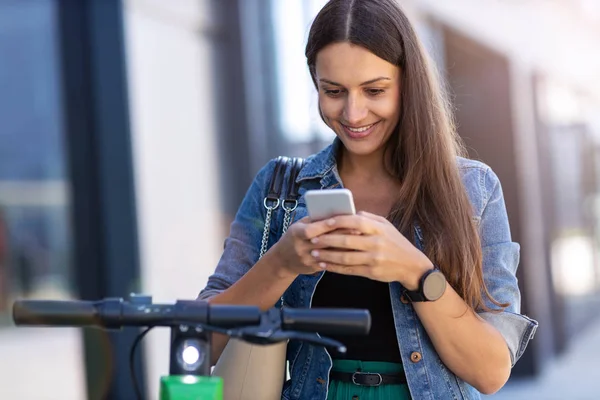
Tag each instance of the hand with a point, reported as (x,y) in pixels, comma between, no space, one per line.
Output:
(380,253)
(294,248)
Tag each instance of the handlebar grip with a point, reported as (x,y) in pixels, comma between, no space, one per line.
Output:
(327,321)
(227,316)
(54,313)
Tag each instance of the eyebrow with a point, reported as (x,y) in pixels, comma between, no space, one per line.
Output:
(381,78)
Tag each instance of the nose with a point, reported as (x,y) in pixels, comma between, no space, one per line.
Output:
(355,110)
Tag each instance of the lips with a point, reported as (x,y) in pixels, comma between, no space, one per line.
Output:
(359,132)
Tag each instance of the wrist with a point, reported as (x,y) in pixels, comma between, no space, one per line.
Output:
(414,281)
(277,265)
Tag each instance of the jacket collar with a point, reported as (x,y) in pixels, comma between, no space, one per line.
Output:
(321,164)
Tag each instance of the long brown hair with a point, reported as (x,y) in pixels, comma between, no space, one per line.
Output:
(423,151)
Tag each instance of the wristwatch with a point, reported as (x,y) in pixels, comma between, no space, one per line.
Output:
(431,287)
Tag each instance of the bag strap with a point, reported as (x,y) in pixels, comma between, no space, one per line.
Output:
(277,179)
(273,198)
(291,201)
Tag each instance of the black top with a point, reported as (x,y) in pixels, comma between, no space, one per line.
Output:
(335,290)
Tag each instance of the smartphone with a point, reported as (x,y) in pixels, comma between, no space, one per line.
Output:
(326,203)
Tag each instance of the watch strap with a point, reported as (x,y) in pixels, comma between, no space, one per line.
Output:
(415,296)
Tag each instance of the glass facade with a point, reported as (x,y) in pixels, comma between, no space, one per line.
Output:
(298,115)
(35,206)
(35,247)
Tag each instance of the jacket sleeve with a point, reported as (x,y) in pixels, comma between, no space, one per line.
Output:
(242,246)
(500,262)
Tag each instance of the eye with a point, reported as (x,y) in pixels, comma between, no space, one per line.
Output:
(375,92)
(333,92)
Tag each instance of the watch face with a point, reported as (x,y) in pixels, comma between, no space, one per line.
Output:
(434,286)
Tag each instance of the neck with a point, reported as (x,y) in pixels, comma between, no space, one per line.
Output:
(363,167)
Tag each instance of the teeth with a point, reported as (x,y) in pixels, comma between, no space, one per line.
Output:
(359,130)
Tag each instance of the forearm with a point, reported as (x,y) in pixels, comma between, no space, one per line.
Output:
(470,347)
(262,286)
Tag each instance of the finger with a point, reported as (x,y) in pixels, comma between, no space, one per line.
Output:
(358,223)
(343,241)
(374,217)
(354,270)
(346,232)
(347,258)
(314,229)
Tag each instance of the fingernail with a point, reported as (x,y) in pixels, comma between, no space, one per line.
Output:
(322,265)
(314,240)
(314,253)
(331,222)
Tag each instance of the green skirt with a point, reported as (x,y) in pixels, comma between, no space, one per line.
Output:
(349,391)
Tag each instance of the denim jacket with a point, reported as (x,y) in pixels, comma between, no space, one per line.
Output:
(427,376)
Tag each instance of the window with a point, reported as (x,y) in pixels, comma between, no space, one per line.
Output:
(299,119)
(34,229)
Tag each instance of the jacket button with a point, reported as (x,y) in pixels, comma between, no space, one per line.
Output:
(403,299)
(415,357)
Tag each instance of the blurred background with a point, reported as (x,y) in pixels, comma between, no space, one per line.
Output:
(131,129)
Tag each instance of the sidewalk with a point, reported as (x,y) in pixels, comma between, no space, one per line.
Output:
(573,376)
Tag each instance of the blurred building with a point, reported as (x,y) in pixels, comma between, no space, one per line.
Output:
(132,129)
(523,76)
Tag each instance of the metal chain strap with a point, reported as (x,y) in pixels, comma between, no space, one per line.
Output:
(287,218)
(265,237)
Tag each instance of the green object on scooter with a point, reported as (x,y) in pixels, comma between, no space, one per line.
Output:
(189,387)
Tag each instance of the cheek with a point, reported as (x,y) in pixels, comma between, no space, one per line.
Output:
(330,108)
(388,109)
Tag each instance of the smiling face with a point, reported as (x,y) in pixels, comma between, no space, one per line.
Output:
(359,96)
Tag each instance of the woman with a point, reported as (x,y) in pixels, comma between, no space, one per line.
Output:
(430,252)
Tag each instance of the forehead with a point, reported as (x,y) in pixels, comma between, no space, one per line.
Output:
(350,64)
